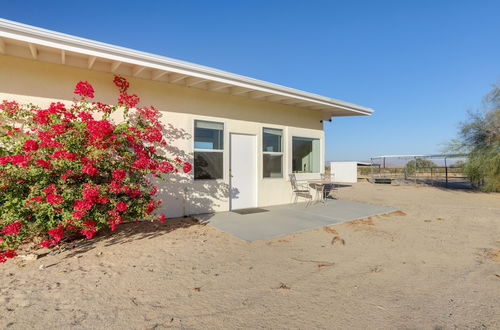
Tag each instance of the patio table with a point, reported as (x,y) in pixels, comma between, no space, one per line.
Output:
(319,186)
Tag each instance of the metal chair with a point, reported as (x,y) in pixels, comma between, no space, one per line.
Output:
(328,188)
(300,190)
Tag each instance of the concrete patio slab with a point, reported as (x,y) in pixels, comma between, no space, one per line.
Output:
(291,218)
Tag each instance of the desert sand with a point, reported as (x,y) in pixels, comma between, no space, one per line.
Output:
(434,265)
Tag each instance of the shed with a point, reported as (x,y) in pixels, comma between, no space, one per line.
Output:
(346,171)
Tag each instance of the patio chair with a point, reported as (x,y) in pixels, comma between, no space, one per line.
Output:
(300,190)
(329,188)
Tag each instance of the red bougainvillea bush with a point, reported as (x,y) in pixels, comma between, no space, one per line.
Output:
(69,170)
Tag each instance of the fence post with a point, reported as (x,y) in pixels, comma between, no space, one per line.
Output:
(446,172)
(371,169)
(415,180)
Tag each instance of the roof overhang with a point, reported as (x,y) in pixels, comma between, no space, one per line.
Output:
(23,40)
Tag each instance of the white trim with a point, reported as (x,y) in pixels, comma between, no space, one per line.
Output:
(37,36)
(320,151)
(210,150)
(275,153)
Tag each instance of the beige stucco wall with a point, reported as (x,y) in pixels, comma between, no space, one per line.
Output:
(41,83)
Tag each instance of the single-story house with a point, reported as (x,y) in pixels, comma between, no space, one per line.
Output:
(243,135)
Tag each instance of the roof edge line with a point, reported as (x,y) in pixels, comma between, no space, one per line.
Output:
(82,45)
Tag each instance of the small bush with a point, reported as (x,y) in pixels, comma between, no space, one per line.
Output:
(69,170)
(417,164)
(480,138)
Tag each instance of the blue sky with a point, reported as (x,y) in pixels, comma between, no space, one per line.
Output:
(419,64)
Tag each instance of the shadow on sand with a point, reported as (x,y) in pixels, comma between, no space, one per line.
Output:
(126,233)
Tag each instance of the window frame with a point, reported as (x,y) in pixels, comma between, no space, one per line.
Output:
(319,154)
(209,150)
(274,153)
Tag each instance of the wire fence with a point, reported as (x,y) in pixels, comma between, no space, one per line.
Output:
(436,170)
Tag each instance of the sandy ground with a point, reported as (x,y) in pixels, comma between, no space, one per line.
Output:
(437,267)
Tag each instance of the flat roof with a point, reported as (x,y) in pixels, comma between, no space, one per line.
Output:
(17,39)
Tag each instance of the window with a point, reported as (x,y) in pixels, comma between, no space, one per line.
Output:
(305,155)
(272,147)
(208,150)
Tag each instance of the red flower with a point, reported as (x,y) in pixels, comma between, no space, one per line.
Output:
(47,139)
(46,244)
(85,116)
(89,223)
(42,117)
(99,129)
(134,193)
(83,205)
(121,83)
(4,160)
(102,200)
(43,163)
(58,129)
(63,154)
(88,233)
(127,100)
(162,218)
(121,206)
(89,228)
(150,207)
(113,225)
(84,89)
(102,107)
(115,187)
(118,175)
(153,135)
(187,167)
(30,145)
(37,199)
(51,190)
(12,228)
(166,167)
(20,160)
(141,163)
(153,191)
(79,214)
(10,254)
(89,169)
(56,233)
(9,107)
(54,199)
(6,255)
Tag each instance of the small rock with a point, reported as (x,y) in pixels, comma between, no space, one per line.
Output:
(42,267)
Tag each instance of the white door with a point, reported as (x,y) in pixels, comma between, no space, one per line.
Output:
(243,170)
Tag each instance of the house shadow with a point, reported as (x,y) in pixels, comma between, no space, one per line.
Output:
(180,194)
(128,232)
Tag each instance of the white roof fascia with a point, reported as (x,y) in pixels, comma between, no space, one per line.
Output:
(35,35)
